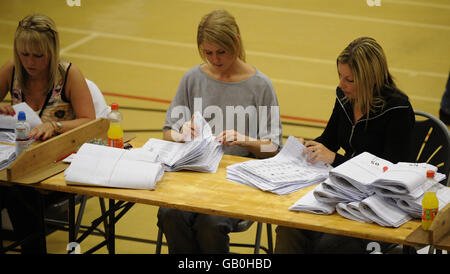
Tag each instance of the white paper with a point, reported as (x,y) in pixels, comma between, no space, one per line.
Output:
(308,203)
(98,165)
(284,173)
(201,154)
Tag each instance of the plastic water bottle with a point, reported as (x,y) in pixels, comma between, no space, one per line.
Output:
(22,133)
(430,204)
(115,132)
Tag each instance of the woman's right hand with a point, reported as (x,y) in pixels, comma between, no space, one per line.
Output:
(188,131)
(7,110)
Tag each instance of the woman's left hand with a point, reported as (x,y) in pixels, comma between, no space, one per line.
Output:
(316,151)
(44,131)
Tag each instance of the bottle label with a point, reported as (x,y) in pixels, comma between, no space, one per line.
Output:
(429,214)
(115,142)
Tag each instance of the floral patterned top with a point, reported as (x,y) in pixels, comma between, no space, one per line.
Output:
(56,106)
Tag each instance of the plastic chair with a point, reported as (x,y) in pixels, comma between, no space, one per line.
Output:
(242,226)
(431,143)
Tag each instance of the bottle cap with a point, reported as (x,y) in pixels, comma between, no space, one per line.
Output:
(114,106)
(22,116)
(430,173)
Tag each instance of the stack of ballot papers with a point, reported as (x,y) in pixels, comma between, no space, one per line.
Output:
(367,188)
(308,203)
(284,173)
(7,132)
(8,123)
(7,154)
(97,165)
(202,154)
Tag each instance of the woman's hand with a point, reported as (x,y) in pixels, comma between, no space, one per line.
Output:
(231,138)
(7,110)
(44,131)
(316,151)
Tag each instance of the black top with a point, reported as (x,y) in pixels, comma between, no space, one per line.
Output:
(386,134)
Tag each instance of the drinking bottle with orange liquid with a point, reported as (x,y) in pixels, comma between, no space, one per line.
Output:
(115,131)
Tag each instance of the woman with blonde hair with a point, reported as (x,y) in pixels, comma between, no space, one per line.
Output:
(224,81)
(370,114)
(58,93)
(54,89)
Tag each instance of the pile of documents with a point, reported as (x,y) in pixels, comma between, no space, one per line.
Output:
(97,165)
(284,173)
(367,188)
(201,154)
(7,154)
(7,132)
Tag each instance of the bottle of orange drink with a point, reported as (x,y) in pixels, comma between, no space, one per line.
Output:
(115,131)
(430,204)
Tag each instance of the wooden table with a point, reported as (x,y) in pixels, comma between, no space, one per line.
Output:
(200,192)
(214,194)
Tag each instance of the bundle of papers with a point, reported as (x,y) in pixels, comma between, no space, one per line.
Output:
(405,180)
(8,123)
(7,155)
(96,165)
(308,203)
(414,206)
(352,211)
(284,173)
(356,175)
(367,188)
(201,154)
(7,132)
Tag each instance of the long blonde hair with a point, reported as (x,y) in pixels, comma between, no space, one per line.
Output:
(219,27)
(368,64)
(37,33)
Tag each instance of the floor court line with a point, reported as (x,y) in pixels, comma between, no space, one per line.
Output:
(79,42)
(411,73)
(184,69)
(324,14)
(420,4)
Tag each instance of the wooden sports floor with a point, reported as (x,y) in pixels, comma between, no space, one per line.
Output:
(136,51)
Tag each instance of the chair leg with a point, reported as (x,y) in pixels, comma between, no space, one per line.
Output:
(258,237)
(159,241)
(269,239)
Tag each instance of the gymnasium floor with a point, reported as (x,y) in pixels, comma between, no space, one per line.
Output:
(136,51)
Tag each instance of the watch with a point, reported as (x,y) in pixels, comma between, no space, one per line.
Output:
(58,127)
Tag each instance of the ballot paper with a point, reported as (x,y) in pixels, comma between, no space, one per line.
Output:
(284,173)
(382,212)
(7,155)
(202,154)
(308,203)
(351,211)
(414,206)
(358,173)
(97,165)
(7,132)
(328,192)
(8,123)
(367,188)
(405,180)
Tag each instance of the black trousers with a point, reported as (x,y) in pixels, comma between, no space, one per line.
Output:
(25,210)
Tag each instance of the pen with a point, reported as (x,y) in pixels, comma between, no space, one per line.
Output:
(63,157)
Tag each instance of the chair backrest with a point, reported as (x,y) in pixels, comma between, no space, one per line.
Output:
(101,108)
(431,143)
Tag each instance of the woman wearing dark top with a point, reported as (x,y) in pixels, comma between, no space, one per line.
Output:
(370,114)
